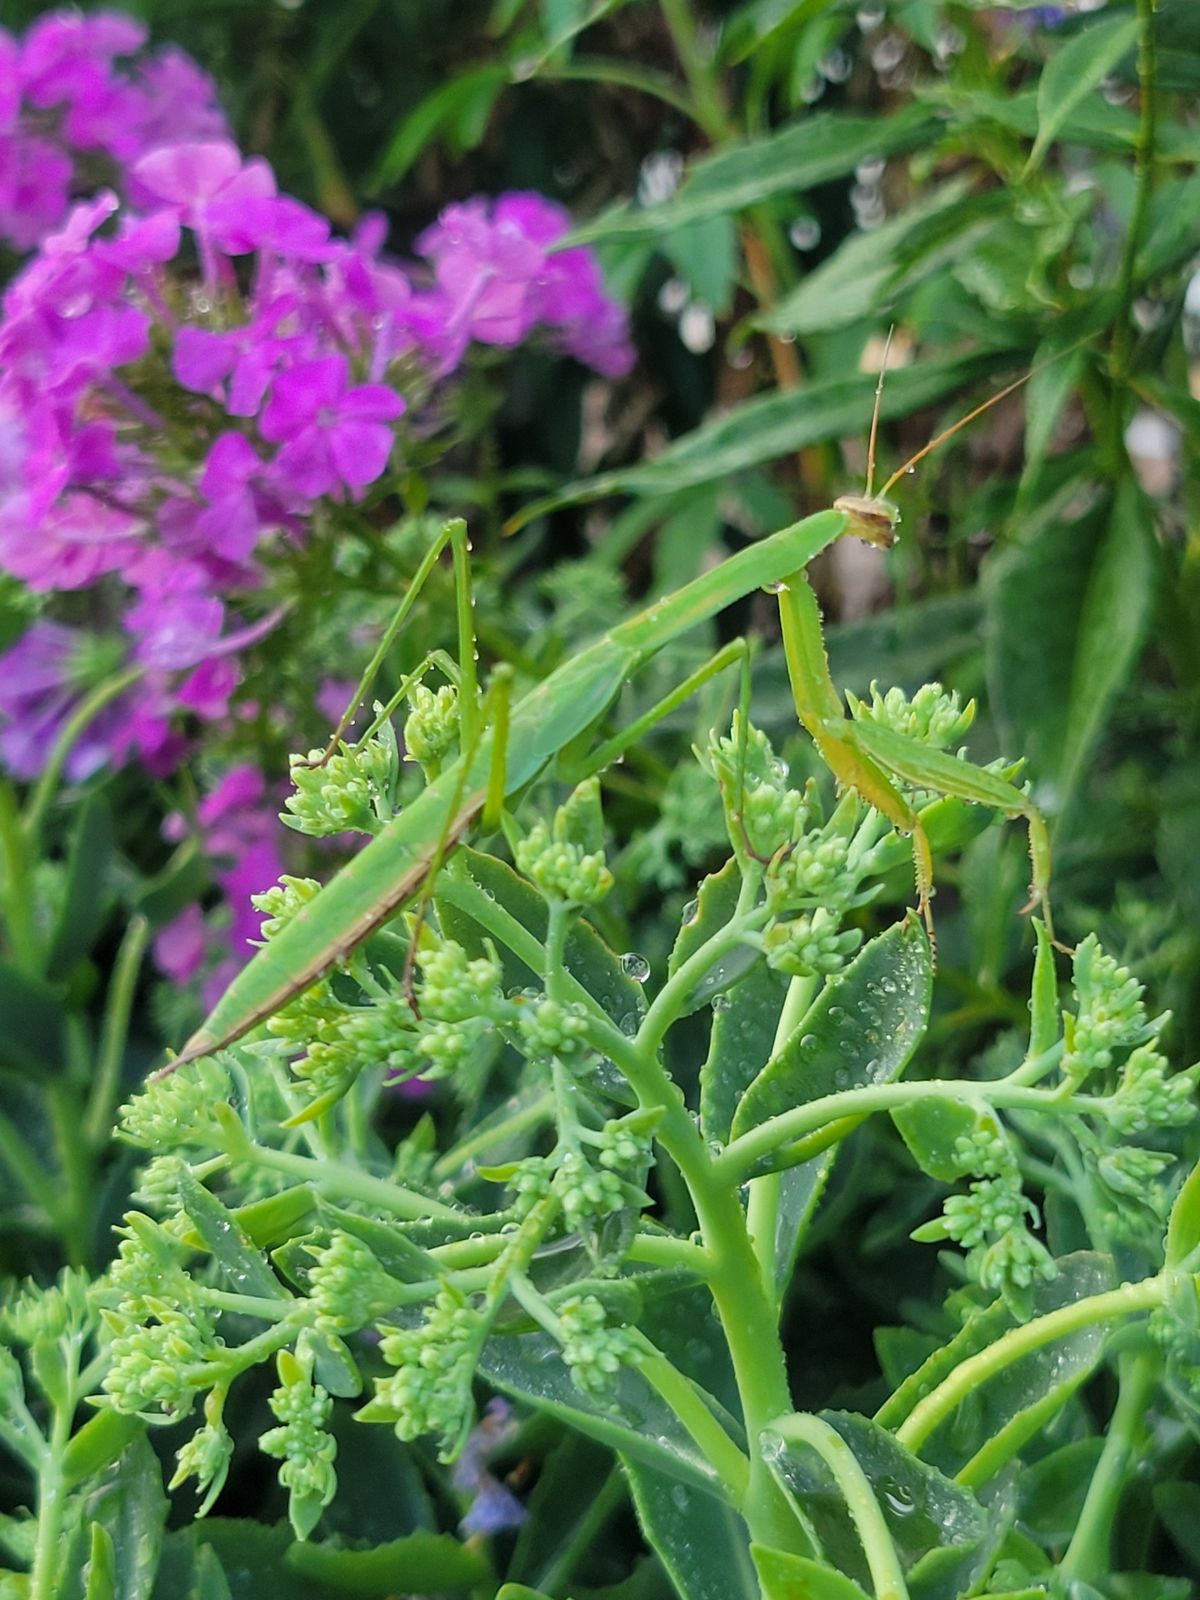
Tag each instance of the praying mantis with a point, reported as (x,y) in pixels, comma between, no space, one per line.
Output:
(524,740)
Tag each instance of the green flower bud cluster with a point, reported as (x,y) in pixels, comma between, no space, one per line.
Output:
(587,1193)
(352,792)
(38,1314)
(991,1220)
(460,1002)
(175,1112)
(1110,1011)
(431,731)
(1147,1097)
(562,869)
(551,1030)
(206,1455)
(1130,1170)
(529,1185)
(148,1268)
(156,1184)
(161,1366)
(932,717)
(816,870)
(811,946)
(302,1441)
(280,903)
(594,1351)
(348,1286)
(762,813)
(431,1390)
(624,1145)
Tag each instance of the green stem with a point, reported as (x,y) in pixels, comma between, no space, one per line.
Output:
(44,790)
(1144,169)
(763,1206)
(16,886)
(76,1203)
(730,1465)
(787,1133)
(1088,1555)
(537,1111)
(887,1576)
(936,1407)
(679,987)
(710,111)
(748,1318)
(333,1176)
(106,1086)
(468,698)
(585,1535)
(52,1489)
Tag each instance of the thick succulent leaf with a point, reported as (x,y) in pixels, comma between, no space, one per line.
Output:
(701,1540)
(862,1028)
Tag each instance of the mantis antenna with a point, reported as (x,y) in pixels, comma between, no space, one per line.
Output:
(873,517)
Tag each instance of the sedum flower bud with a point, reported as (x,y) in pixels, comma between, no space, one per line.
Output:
(348,1286)
(172,1113)
(932,717)
(302,1442)
(351,792)
(562,870)
(811,945)
(431,731)
(594,1351)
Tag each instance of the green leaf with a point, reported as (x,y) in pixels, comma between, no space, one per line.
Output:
(1046,394)
(999,1417)
(33,1038)
(458,109)
(1115,620)
(702,1541)
(84,904)
(1178,1504)
(209,1582)
(862,1028)
(925,1512)
(1074,71)
(1183,1227)
(705,254)
(267,1222)
(638,1423)
(1045,1017)
(101,1567)
(787,1577)
(97,1444)
(387,1243)
(1053,1489)
(868,270)
(432,1562)
(519,1591)
(809,151)
(587,957)
(130,1507)
(930,1128)
(770,427)
(739,1046)
(243,1265)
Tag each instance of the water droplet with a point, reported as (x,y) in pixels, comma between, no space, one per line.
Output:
(690,913)
(722,1002)
(779,586)
(899,1500)
(630,1023)
(808,1041)
(805,233)
(635,966)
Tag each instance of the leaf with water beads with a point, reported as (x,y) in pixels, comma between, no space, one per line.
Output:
(862,1029)
(925,1512)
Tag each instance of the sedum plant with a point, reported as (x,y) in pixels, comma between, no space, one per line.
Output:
(643,1156)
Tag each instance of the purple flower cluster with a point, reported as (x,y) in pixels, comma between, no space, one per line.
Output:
(236,824)
(68,111)
(160,423)
(193,369)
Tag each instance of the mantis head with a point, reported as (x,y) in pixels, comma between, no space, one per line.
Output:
(872,518)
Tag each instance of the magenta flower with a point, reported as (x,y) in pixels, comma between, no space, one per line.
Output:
(63,93)
(335,435)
